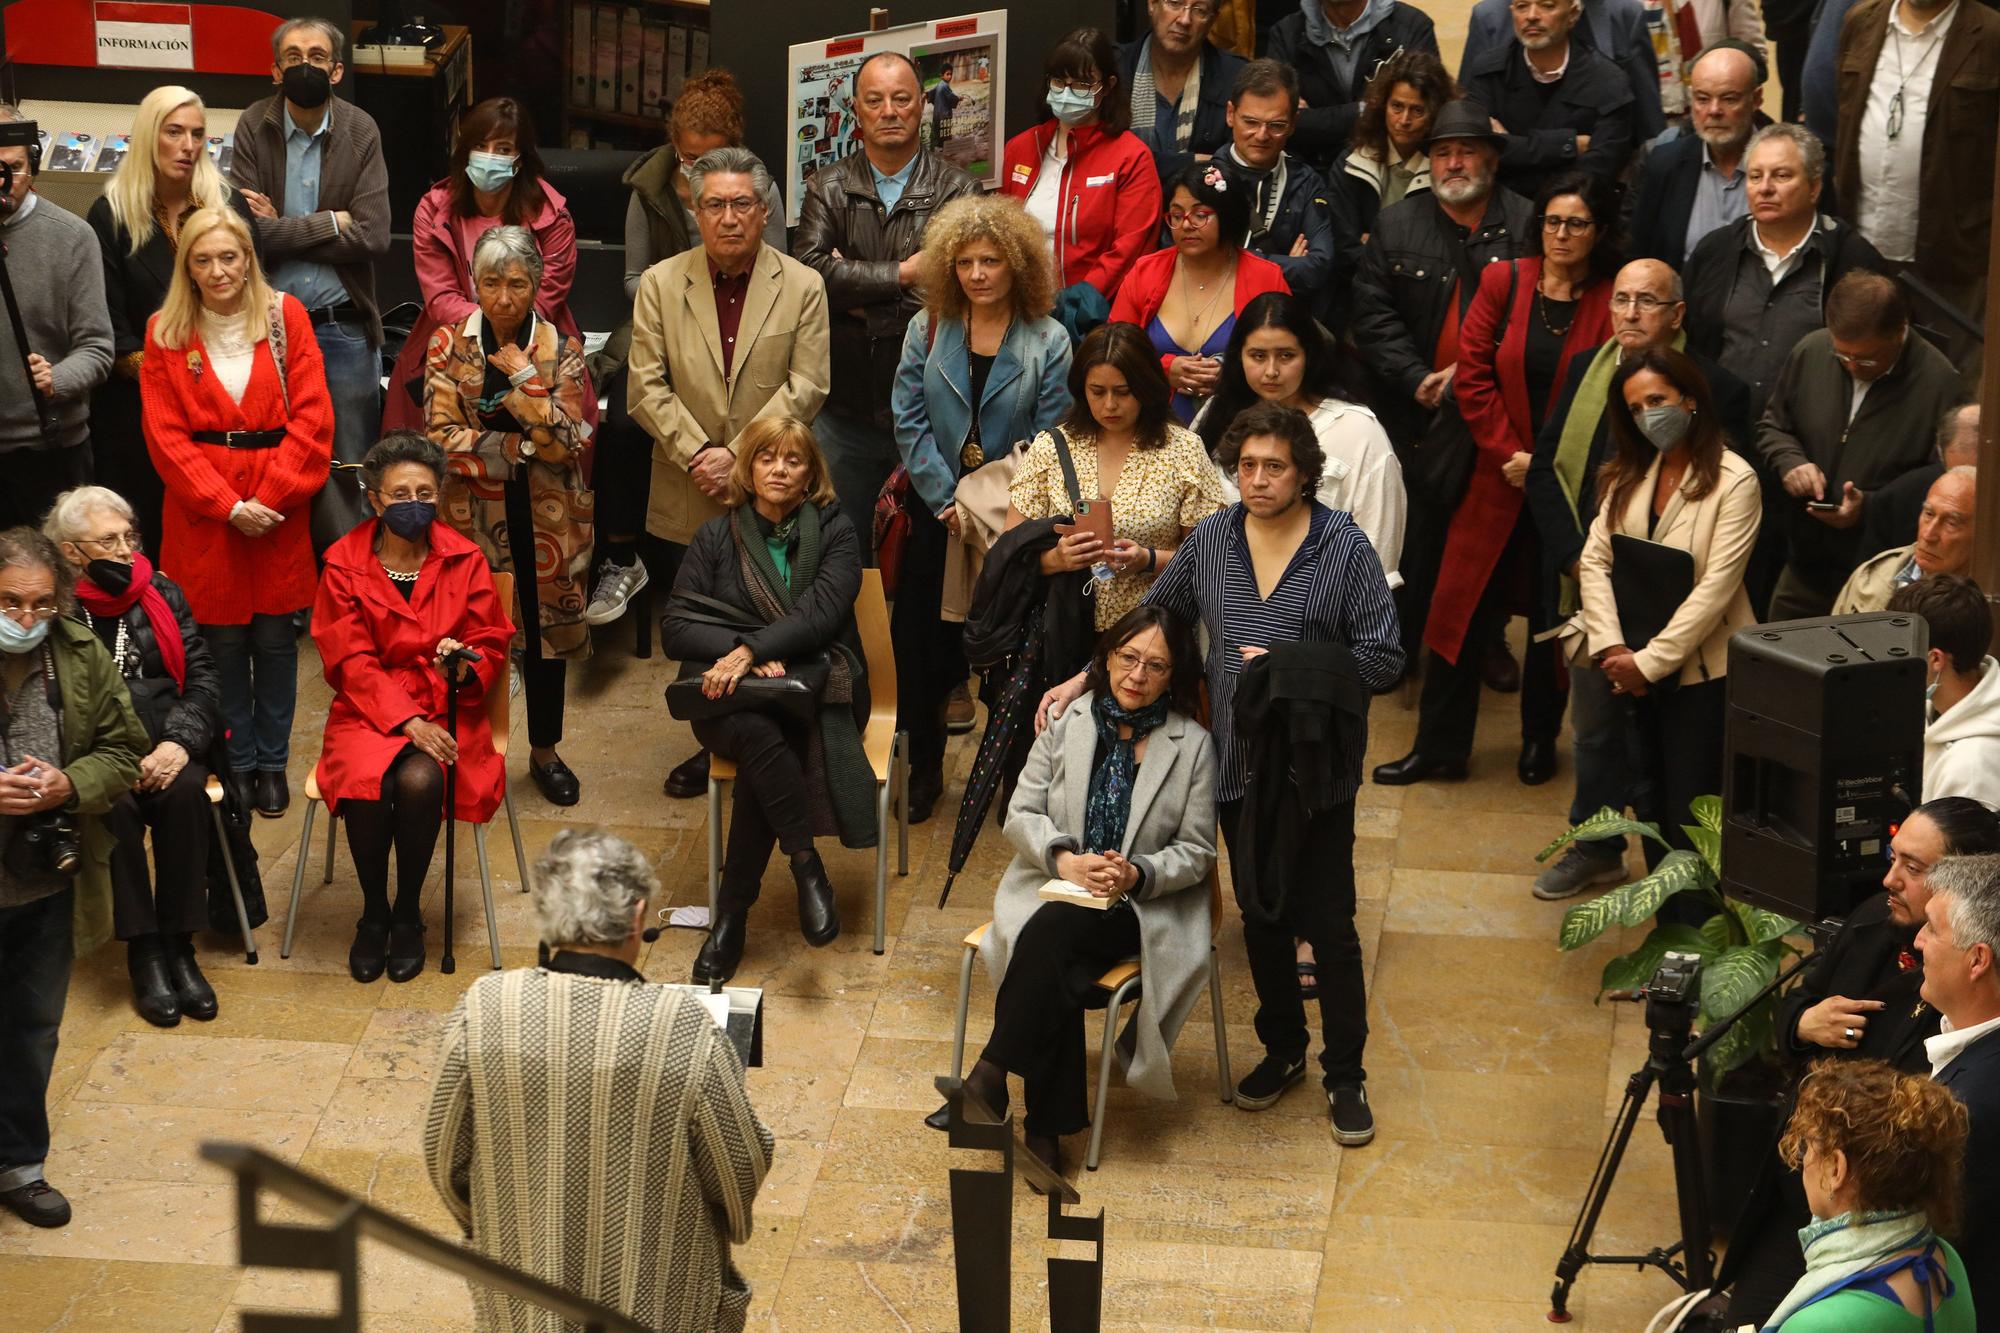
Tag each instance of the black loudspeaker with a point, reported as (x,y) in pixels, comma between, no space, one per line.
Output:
(1825,746)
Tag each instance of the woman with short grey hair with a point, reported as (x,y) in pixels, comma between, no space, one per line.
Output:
(503,248)
(591,888)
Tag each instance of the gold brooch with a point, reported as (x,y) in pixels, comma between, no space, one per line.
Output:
(194,363)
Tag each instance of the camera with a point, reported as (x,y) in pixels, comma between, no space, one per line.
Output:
(1674,994)
(20,134)
(47,843)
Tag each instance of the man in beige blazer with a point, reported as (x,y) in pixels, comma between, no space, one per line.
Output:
(721,335)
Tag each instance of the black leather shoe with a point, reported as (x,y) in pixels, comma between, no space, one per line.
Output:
(1537,763)
(818,919)
(406,950)
(273,796)
(38,1203)
(370,951)
(940,1118)
(152,988)
(558,785)
(1498,669)
(926,786)
(1414,767)
(689,777)
(723,950)
(191,988)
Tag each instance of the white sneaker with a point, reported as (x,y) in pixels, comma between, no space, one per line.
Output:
(615,586)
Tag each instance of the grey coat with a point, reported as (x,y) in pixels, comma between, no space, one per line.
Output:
(1170,837)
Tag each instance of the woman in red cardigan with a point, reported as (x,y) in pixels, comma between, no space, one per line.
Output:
(239,424)
(1187,296)
(1082,173)
(399,593)
(1528,319)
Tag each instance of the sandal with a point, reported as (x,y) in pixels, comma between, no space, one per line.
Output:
(1308,981)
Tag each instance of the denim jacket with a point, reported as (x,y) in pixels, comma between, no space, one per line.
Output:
(1026,393)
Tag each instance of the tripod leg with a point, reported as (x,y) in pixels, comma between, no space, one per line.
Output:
(1577,1254)
(1677,1122)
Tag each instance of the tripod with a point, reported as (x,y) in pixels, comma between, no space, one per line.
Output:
(1670,1064)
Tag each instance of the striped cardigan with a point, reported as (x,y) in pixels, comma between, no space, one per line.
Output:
(596,1133)
(1346,601)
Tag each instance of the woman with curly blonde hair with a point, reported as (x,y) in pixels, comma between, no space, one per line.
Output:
(1879,1153)
(983,368)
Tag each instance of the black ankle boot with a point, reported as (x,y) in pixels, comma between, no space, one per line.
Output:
(818,919)
(191,988)
(152,989)
(723,950)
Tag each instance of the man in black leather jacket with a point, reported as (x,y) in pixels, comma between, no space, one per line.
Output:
(861,226)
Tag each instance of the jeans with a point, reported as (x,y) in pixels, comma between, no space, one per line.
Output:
(1602,732)
(860,456)
(259,666)
(35,954)
(354,378)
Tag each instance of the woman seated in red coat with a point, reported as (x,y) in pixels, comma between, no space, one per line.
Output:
(238,422)
(397,595)
(1187,296)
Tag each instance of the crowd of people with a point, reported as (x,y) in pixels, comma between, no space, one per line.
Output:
(1268,379)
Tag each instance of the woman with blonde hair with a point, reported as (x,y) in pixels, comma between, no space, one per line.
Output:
(159,184)
(766,589)
(1879,1153)
(983,368)
(240,425)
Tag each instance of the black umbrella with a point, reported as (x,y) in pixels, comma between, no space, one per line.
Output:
(1010,729)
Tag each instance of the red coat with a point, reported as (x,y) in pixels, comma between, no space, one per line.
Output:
(376,649)
(1492,394)
(227,576)
(1145,287)
(1109,212)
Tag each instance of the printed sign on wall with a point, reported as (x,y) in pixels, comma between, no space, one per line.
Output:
(144,36)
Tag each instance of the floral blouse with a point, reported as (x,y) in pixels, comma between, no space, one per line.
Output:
(1161,494)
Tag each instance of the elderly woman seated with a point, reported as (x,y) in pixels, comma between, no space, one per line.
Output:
(786,564)
(1117,799)
(505,397)
(144,620)
(398,594)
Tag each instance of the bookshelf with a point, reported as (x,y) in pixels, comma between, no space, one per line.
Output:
(624,62)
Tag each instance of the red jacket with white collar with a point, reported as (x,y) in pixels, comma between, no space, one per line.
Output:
(1109,206)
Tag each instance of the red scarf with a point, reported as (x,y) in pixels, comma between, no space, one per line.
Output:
(166,629)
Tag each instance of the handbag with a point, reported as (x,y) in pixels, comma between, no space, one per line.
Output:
(891,527)
(1441,467)
(794,695)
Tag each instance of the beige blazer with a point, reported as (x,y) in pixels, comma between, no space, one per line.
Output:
(1719,530)
(674,383)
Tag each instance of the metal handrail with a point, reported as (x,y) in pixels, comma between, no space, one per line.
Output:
(283,1246)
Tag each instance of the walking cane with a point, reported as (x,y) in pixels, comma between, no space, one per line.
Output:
(452,662)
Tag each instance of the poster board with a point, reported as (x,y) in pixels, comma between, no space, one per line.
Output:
(961,66)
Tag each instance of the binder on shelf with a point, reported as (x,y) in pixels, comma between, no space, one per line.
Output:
(677,61)
(697,50)
(653,71)
(604,63)
(631,40)
(582,45)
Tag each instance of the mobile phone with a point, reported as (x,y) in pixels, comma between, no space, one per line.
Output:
(1823,506)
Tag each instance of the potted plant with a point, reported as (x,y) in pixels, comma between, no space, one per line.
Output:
(1742,949)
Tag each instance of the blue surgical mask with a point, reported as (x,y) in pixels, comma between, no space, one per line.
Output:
(490,171)
(1072,108)
(15,639)
(410,519)
(1930,690)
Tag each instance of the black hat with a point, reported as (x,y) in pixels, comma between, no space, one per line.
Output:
(1463,119)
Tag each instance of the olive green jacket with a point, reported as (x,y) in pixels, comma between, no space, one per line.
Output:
(107,741)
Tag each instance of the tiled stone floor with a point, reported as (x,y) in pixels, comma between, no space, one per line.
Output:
(1492,1074)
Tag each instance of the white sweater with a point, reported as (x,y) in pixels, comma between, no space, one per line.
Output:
(1962,747)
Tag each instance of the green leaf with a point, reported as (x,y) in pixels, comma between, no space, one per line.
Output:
(1742,1043)
(1715,932)
(1709,843)
(1678,870)
(1606,823)
(1765,926)
(1707,812)
(1729,980)
(1586,921)
(1634,969)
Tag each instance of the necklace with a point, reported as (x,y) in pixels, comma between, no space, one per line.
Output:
(1200,319)
(399,576)
(128,669)
(1542,309)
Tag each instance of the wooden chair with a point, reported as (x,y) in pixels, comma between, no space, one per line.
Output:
(888,756)
(497,719)
(1120,984)
(214,791)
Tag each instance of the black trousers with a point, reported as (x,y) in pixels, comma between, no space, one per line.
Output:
(621,468)
(176,903)
(119,458)
(1771,1261)
(544,680)
(1426,524)
(1319,909)
(35,477)
(1038,1027)
(1679,737)
(771,804)
(929,659)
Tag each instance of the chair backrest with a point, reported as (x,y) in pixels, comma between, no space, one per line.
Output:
(871,618)
(499,699)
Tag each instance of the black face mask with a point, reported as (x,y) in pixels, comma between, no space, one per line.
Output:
(113,576)
(307,85)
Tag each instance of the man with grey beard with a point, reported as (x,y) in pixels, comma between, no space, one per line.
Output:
(1417,276)
(1913,163)
(1694,182)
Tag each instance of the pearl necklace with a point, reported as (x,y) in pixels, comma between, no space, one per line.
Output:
(127,669)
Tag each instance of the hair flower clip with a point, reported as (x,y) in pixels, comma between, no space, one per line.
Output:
(194,363)
(1215,180)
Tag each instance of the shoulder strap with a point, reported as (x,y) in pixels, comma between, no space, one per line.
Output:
(277,334)
(1068,467)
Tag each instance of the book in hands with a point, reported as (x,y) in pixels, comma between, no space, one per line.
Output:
(1062,891)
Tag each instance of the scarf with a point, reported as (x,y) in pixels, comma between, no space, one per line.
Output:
(844,799)
(1839,1249)
(1109,804)
(1145,100)
(1270,190)
(493,392)
(1586,413)
(166,629)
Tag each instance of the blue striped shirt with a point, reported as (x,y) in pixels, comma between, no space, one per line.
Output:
(1333,591)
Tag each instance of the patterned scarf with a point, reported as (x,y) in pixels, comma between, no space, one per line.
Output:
(1146,100)
(1109,803)
(1839,1248)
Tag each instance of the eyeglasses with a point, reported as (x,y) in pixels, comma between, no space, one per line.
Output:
(425,496)
(1189,217)
(1127,662)
(318,59)
(1643,302)
(1088,87)
(1194,9)
(1554,225)
(1254,125)
(1858,362)
(30,614)
(117,543)
(742,207)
